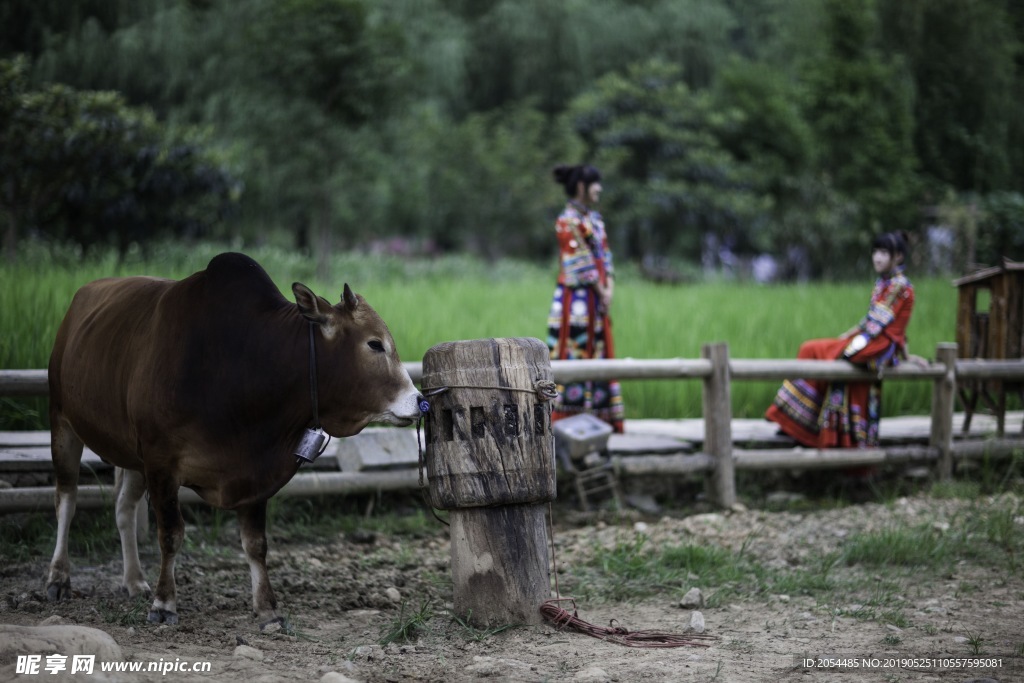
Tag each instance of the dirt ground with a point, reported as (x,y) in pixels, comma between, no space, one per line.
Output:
(342,593)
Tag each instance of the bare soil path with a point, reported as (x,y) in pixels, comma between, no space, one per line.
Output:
(343,593)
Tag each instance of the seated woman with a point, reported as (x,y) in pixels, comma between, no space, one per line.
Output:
(821,414)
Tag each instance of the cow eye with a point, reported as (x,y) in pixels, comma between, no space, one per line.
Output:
(376,345)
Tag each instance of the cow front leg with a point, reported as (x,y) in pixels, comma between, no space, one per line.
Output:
(252,523)
(66,451)
(129,485)
(163,494)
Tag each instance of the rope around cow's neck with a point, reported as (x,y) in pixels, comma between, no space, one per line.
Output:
(314,441)
(312,378)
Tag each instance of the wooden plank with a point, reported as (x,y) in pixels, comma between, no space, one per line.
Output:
(773,369)
(33,382)
(37,459)
(663,465)
(30,452)
(639,444)
(26,438)
(717,403)
(813,458)
(943,404)
(377,448)
(40,498)
(23,383)
(629,368)
(966,301)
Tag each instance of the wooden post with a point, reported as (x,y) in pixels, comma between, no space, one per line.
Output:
(943,398)
(717,400)
(490,459)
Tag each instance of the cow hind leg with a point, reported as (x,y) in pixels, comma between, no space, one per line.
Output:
(252,522)
(163,493)
(66,451)
(129,486)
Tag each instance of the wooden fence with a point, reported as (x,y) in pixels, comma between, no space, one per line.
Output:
(718,371)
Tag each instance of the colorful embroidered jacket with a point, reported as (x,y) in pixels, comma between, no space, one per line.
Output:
(583,247)
(882,339)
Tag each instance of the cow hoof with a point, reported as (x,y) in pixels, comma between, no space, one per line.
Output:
(135,591)
(278,621)
(58,590)
(162,616)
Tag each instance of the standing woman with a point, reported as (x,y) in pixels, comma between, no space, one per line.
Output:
(822,414)
(579,326)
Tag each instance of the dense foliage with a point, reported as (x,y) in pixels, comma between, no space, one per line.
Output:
(790,127)
(86,168)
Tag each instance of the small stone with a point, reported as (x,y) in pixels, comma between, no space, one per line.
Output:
(894,628)
(782,598)
(693,598)
(272,627)
(62,639)
(393,594)
(593,674)
(368,652)
(783,498)
(644,503)
(696,622)
(248,652)
(362,537)
(640,527)
(52,620)
(917,473)
(335,677)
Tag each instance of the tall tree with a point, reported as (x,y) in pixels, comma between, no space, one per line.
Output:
(671,181)
(83,166)
(861,109)
(967,61)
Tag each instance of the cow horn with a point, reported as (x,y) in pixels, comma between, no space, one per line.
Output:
(351,302)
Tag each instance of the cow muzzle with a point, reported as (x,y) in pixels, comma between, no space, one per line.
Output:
(404,411)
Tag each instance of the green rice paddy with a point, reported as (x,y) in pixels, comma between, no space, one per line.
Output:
(426,302)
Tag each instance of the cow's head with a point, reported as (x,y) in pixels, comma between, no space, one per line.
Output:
(360,376)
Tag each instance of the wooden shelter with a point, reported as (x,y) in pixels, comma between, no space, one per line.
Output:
(990,326)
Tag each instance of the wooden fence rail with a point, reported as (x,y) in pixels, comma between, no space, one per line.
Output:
(717,372)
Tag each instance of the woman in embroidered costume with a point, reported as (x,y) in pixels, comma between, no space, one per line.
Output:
(823,414)
(579,326)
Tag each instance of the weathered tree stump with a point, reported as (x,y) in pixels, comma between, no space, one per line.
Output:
(490,461)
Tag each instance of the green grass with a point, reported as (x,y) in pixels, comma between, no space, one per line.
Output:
(25,537)
(426,302)
(872,570)
(407,624)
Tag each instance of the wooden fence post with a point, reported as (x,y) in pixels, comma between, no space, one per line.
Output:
(717,400)
(490,459)
(943,400)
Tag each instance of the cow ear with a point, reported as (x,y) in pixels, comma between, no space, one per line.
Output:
(312,307)
(351,302)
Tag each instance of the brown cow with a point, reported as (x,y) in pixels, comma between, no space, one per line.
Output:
(208,383)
